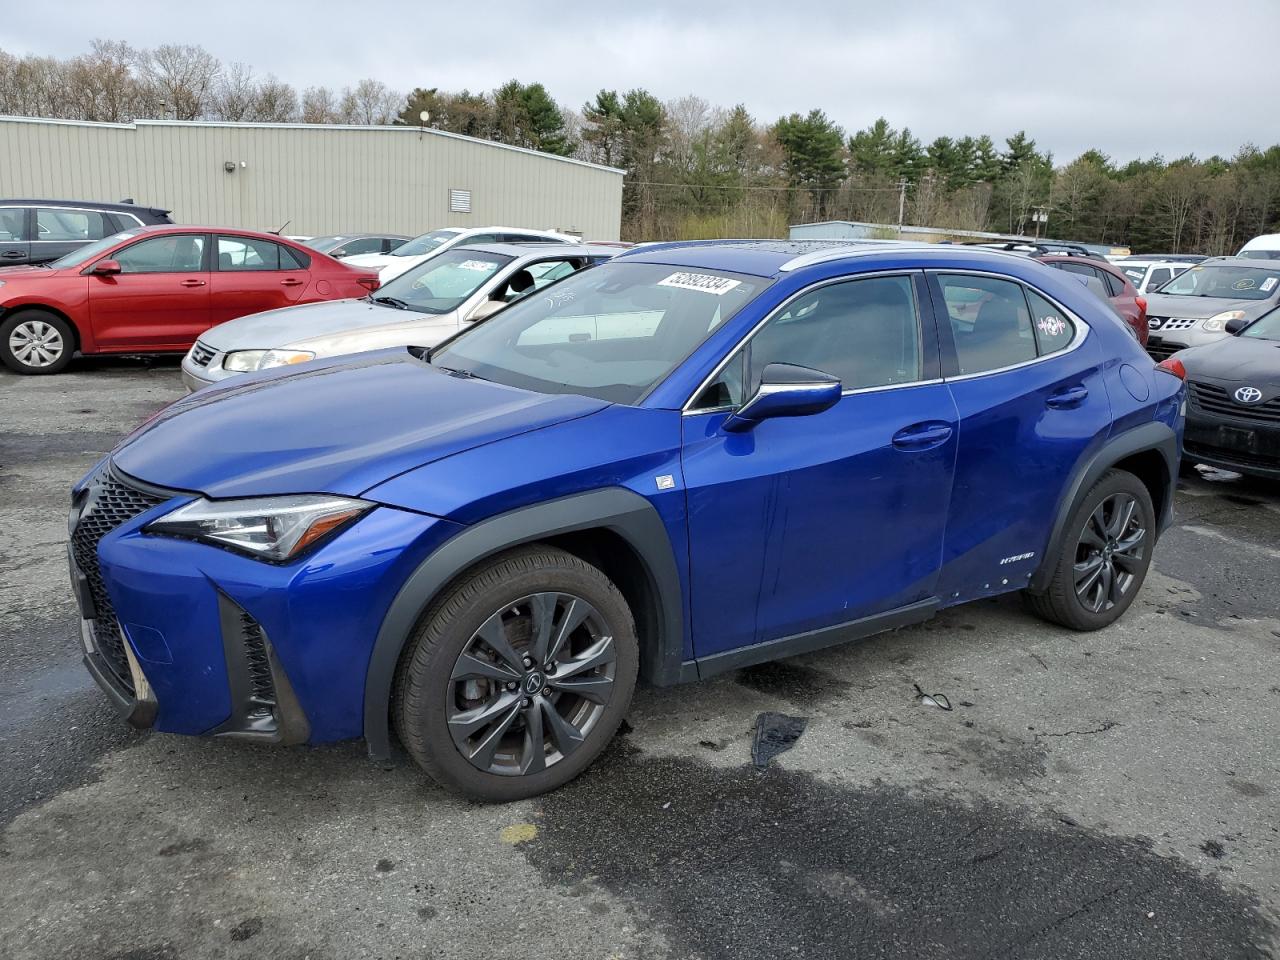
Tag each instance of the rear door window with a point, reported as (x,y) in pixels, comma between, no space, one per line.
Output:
(237,254)
(58,224)
(13,224)
(1054,329)
(990,322)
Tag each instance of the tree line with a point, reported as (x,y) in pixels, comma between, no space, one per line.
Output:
(698,170)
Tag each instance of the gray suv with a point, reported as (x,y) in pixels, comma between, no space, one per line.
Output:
(38,231)
(1209,301)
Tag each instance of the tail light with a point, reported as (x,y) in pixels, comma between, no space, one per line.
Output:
(1142,307)
(1174,366)
(369,283)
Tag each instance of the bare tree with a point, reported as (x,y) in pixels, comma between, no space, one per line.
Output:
(319,105)
(236,94)
(181,76)
(276,102)
(371,101)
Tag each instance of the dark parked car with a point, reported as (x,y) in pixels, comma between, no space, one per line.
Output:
(341,245)
(1233,417)
(37,231)
(686,460)
(1110,284)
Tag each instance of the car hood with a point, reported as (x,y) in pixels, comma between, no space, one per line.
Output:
(1250,359)
(289,325)
(337,426)
(27,272)
(1163,305)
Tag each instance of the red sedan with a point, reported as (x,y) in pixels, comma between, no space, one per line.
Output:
(155,290)
(1110,284)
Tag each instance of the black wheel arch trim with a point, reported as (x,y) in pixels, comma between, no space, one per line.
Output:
(616,509)
(1155,436)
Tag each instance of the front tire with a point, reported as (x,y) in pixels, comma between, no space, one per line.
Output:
(36,342)
(518,676)
(1105,557)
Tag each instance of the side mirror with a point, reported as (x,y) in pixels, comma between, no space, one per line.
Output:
(786,390)
(1237,324)
(105,268)
(485,310)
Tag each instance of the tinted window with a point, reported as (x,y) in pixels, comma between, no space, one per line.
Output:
(291,259)
(864,332)
(610,332)
(1053,329)
(989,321)
(183,253)
(1158,276)
(1114,283)
(359,245)
(58,224)
(250,253)
(13,224)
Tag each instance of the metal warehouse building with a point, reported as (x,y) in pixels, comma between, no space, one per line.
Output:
(323,178)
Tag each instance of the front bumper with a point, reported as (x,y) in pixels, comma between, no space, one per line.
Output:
(190,638)
(1232,437)
(196,375)
(1164,341)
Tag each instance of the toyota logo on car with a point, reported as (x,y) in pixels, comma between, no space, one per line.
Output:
(1248,394)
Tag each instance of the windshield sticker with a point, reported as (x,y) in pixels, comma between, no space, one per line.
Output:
(1244,283)
(1268,285)
(703,282)
(1052,326)
(482,265)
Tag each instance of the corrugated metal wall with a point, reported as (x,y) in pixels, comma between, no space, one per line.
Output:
(326,179)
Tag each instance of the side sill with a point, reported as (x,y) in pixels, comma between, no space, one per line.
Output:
(799,643)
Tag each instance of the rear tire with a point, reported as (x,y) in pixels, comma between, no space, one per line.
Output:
(518,676)
(1105,557)
(36,342)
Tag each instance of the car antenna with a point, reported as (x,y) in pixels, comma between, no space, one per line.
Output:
(282,226)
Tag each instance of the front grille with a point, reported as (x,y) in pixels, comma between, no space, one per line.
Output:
(201,354)
(1159,350)
(1172,323)
(261,683)
(109,502)
(1214,399)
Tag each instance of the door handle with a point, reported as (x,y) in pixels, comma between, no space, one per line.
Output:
(290,282)
(191,283)
(921,435)
(13,254)
(1068,398)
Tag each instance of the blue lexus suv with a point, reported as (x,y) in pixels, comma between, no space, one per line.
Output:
(693,458)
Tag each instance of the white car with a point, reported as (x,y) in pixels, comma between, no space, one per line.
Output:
(1265,247)
(1148,275)
(395,262)
(419,308)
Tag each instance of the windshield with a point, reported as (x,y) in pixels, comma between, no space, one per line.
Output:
(1266,327)
(425,243)
(442,283)
(1225,281)
(1133,273)
(610,332)
(323,243)
(89,251)
(1259,254)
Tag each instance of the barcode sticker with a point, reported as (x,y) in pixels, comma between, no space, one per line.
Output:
(702,282)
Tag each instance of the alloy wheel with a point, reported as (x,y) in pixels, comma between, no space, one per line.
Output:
(531,683)
(1109,552)
(36,343)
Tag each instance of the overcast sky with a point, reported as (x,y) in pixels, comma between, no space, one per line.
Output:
(1131,78)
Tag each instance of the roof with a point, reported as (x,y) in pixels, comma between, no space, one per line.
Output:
(531,248)
(223,228)
(360,127)
(122,206)
(769,258)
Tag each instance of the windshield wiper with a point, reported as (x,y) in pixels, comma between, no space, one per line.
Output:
(392,302)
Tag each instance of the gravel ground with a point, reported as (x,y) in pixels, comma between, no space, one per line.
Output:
(1103,795)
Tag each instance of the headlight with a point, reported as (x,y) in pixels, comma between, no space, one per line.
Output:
(282,358)
(272,528)
(242,361)
(1218,322)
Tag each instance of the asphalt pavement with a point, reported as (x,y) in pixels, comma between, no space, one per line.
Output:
(1112,794)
